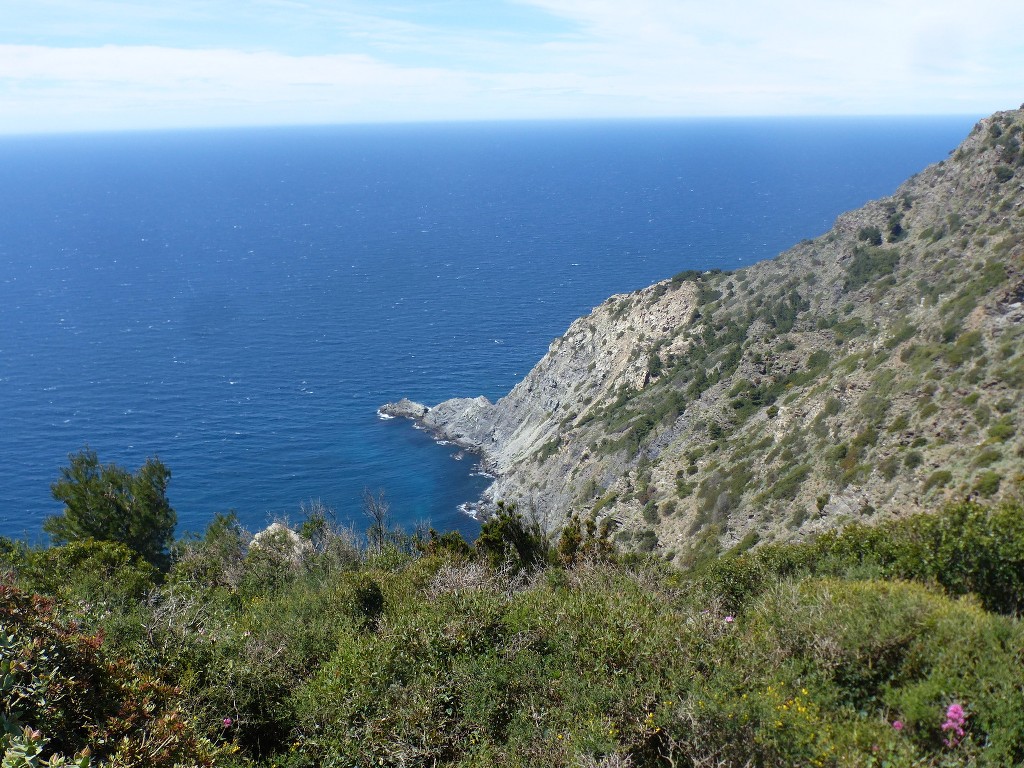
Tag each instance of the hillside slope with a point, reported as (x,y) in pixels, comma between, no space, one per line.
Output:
(872,371)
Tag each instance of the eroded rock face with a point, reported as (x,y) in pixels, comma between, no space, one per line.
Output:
(580,373)
(844,379)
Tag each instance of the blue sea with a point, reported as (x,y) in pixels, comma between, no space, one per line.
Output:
(240,302)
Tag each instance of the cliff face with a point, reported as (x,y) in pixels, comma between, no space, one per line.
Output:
(872,371)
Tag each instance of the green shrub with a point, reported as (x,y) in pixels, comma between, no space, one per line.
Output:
(968,345)
(585,542)
(509,538)
(789,484)
(650,513)
(871,235)
(986,457)
(889,467)
(987,483)
(898,424)
(57,681)
(654,365)
(904,331)
(1002,429)
(938,479)
(546,451)
(874,406)
(93,571)
(707,295)
(449,545)
(968,548)
(864,639)
(868,264)
(774,655)
(216,559)
(895,226)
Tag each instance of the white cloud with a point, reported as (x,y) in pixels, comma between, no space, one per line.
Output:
(112,87)
(607,58)
(738,56)
(145,86)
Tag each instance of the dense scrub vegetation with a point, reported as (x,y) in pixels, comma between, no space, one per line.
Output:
(893,645)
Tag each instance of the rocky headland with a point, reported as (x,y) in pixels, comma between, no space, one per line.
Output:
(871,372)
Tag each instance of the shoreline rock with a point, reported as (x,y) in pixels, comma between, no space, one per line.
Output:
(404,408)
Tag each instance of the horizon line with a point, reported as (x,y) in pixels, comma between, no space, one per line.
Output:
(485,121)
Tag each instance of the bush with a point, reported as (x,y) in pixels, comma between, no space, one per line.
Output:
(889,467)
(870,263)
(507,538)
(1002,430)
(987,483)
(938,479)
(968,548)
(913,460)
(604,664)
(860,640)
(215,560)
(450,545)
(789,484)
(57,681)
(779,655)
(871,235)
(101,572)
(585,542)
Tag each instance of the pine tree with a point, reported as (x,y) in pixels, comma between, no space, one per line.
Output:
(106,502)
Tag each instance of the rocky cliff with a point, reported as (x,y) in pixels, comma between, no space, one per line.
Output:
(873,371)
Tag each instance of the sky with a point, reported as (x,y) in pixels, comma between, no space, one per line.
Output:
(86,65)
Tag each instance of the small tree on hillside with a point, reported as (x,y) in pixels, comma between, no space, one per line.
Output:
(508,538)
(106,502)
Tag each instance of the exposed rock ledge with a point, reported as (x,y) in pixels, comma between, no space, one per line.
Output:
(463,421)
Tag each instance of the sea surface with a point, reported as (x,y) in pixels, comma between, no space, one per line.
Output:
(239,303)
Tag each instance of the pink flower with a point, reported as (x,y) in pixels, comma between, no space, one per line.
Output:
(954,725)
(897,724)
(227,722)
(729,619)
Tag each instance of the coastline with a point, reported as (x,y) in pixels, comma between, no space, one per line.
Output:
(442,428)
